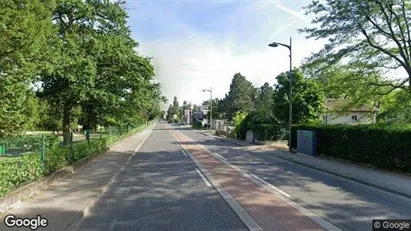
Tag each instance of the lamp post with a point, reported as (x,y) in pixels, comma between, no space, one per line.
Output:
(211,106)
(290,93)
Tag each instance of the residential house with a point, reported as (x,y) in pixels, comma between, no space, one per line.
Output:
(339,112)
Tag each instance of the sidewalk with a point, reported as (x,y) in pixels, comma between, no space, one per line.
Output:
(65,202)
(387,181)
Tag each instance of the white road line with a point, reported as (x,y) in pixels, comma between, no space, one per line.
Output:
(220,156)
(318,219)
(141,144)
(203,177)
(237,208)
(184,153)
(271,186)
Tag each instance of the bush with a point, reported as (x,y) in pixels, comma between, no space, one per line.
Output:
(198,125)
(383,146)
(262,131)
(17,171)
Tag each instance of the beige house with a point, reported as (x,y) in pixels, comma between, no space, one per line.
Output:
(338,112)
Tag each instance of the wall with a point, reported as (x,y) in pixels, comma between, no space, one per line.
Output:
(362,118)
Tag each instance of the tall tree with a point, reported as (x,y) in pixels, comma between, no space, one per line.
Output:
(368,36)
(264,104)
(170,112)
(24,28)
(241,96)
(176,107)
(308,99)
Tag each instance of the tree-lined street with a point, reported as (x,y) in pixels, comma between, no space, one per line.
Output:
(163,187)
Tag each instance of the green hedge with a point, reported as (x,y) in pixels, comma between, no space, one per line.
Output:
(20,170)
(264,132)
(197,125)
(387,147)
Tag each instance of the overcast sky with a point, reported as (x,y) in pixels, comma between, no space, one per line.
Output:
(203,43)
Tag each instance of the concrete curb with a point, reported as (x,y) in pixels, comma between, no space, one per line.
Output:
(385,189)
(25,191)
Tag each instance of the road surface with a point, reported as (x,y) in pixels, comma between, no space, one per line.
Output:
(161,188)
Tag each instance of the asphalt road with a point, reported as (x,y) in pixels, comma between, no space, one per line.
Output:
(160,189)
(346,204)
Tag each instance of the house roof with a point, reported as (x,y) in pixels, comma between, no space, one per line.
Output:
(343,104)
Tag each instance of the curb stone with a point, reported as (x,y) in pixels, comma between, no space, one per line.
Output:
(290,159)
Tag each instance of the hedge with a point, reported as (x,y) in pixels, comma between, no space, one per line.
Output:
(387,147)
(17,171)
(264,132)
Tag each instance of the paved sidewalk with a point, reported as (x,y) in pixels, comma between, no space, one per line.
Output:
(64,202)
(387,181)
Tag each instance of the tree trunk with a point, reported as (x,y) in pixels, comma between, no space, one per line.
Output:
(66,124)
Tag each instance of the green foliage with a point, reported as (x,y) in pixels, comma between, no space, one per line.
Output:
(396,108)
(368,36)
(241,96)
(263,128)
(238,120)
(265,132)
(197,125)
(308,99)
(383,146)
(17,171)
(24,27)
(31,143)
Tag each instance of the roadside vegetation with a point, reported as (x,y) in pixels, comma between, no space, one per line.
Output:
(373,69)
(67,68)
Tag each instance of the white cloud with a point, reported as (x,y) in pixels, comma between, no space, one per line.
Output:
(195,60)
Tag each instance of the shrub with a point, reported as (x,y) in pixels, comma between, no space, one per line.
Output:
(386,147)
(262,130)
(197,125)
(19,170)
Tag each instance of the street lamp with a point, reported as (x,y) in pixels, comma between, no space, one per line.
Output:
(211,106)
(290,93)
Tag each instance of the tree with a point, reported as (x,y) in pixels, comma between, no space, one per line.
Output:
(395,108)
(264,104)
(195,107)
(368,36)
(241,96)
(339,81)
(175,108)
(24,28)
(308,99)
(170,112)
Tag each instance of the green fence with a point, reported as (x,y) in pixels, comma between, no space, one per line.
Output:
(28,158)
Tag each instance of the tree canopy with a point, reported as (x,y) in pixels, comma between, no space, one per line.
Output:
(74,61)
(308,99)
(240,97)
(368,37)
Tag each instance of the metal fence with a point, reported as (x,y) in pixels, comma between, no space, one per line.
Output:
(40,142)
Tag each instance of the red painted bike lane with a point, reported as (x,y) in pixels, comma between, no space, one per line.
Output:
(269,211)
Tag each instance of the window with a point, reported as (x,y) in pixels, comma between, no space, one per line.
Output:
(354,117)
